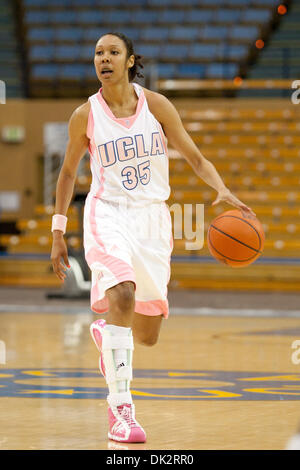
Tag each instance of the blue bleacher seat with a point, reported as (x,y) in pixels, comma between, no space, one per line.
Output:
(37,17)
(186,3)
(132,33)
(40,53)
(109,3)
(135,3)
(270,3)
(246,33)
(35,3)
(116,16)
(214,32)
(160,3)
(154,34)
(85,3)
(64,17)
(149,51)
(68,34)
(184,33)
(67,52)
(90,72)
(210,3)
(144,17)
(236,52)
(89,17)
(61,3)
(87,52)
(176,52)
(256,15)
(227,15)
(171,16)
(40,34)
(200,51)
(93,34)
(221,70)
(199,16)
(72,71)
(238,3)
(166,70)
(191,71)
(44,71)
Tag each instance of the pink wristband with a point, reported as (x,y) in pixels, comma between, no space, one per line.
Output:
(59,222)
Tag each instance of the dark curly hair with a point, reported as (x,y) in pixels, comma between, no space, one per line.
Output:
(133,71)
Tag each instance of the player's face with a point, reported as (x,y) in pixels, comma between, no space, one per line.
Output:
(110,59)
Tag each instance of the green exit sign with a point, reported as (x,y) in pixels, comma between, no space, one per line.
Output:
(13,134)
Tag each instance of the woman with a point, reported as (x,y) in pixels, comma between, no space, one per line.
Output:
(124,126)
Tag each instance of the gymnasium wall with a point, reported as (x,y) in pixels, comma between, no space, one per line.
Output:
(22,163)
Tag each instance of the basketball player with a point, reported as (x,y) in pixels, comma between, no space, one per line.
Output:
(125,128)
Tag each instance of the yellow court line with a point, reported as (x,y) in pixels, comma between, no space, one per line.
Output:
(270,391)
(188,374)
(270,378)
(60,392)
(213,394)
(38,373)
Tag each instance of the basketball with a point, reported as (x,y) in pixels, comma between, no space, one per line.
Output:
(235,240)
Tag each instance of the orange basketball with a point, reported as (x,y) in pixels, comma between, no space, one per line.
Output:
(235,240)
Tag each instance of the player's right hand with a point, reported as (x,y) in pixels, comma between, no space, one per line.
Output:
(59,250)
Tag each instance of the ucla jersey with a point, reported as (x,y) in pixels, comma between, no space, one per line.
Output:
(128,155)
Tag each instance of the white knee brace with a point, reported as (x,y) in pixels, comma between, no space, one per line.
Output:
(113,374)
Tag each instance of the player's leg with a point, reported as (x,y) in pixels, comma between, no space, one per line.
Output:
(121,304)
(146,329)
(114,339)
(151,263)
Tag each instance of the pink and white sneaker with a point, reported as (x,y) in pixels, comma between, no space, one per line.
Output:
(96,330)
(123,426)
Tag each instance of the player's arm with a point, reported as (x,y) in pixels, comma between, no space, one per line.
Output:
(76,148)
(166,113)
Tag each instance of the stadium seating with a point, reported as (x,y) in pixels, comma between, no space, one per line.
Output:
(255,148)
(173,52)
(183,33)
(189,30)
(244,33)
(37,35)
(199,16)
(72,72)
(153,33)
(148,50)
(280,56)
(256,16)
(168,70)
(203,51)
(222,70)
(44,71)
(227,15)
(10,60)
(191,70)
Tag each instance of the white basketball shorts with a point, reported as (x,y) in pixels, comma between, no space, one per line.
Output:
(124,243)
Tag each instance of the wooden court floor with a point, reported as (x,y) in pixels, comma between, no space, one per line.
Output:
(210,383)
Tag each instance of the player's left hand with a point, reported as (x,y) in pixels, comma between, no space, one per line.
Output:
(227,196)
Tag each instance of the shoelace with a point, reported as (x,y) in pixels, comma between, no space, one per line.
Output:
(126,413)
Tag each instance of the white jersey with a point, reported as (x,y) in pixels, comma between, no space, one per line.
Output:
(128,155)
